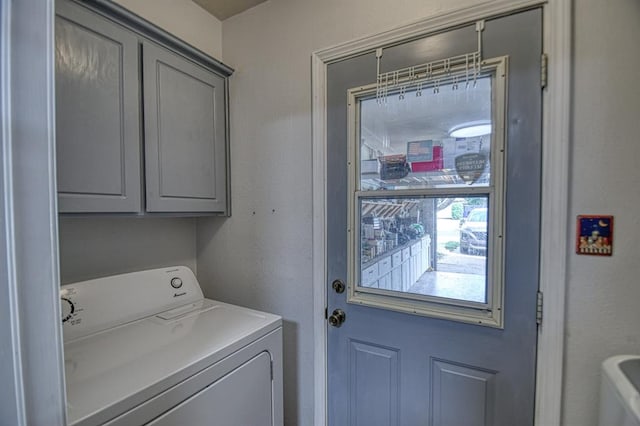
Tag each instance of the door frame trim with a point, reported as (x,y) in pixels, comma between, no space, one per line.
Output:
(32,359)
(555,165)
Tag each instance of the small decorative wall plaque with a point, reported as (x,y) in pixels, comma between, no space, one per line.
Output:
(594,235)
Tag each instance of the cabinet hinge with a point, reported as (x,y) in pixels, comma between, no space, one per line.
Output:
(544,70)
(539,303)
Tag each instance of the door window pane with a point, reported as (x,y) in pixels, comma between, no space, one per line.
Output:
(426,183)
(427,139)
(429,246)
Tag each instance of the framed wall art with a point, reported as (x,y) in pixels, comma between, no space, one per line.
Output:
(594,235)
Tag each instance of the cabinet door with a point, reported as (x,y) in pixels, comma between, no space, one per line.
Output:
(370,276)
(97,113)
(185,134)
(406,275)
(426,248)
(396,278)
(385,282)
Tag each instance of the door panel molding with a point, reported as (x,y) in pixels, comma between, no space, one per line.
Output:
(382,387)
(456,385)
(556,97)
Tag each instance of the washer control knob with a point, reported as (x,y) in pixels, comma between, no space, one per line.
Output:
(68,308)
(176,282)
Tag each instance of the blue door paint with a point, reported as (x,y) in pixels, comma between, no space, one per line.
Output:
(393,369)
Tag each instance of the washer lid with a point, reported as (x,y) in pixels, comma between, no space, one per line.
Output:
(110,372)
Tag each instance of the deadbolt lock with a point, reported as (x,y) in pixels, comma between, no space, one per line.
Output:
(338,286)
(337,318)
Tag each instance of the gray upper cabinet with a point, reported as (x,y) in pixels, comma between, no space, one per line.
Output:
(114,71)
(185,138)
(97,113)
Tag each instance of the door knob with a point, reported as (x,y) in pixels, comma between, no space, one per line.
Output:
(337,318)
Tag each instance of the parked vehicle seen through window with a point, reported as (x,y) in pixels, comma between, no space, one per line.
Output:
(473,232)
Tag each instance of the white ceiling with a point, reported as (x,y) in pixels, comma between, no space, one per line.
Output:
(389,126)
(223,9)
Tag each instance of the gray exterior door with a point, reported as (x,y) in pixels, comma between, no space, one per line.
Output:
(390,368)
(97,113)
(185,157)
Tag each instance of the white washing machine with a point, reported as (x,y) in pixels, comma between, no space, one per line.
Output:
(148,348)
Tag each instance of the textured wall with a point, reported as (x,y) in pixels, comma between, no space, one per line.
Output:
(184,19)
(96,247)
(603,312)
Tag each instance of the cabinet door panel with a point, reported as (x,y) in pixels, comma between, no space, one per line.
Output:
(185,136)
(97,113)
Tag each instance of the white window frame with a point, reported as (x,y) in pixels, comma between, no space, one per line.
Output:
(489,314)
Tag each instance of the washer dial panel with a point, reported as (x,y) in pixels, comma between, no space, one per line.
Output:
(68,308)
